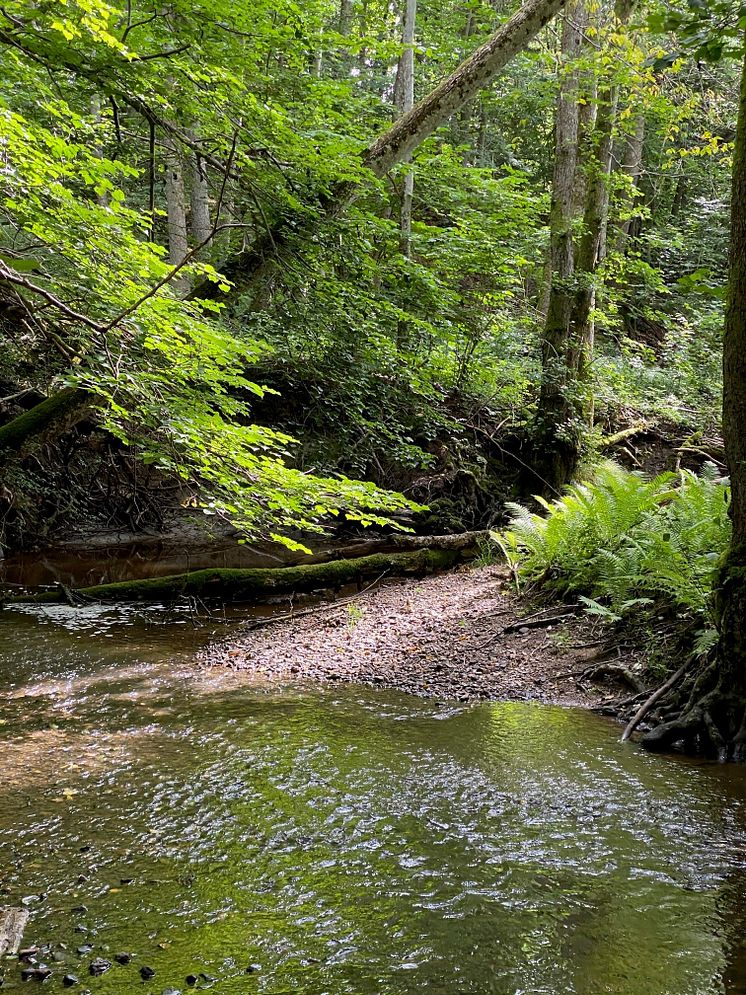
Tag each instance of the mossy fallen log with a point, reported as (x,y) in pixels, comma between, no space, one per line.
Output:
(255,584)
(43,423)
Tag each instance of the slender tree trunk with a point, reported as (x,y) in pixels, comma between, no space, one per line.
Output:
(628,228)
(715,714)
(201,222)
(405,93)
(178,243)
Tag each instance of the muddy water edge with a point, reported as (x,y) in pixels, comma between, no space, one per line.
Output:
(245,838)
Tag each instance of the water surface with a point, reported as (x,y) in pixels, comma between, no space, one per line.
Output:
(339,840)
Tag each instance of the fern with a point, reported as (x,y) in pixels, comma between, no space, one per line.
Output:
(625,544)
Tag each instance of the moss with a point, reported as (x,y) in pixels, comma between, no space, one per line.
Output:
(31,424)
(247,585)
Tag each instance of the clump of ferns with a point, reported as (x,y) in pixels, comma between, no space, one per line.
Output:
(630,549)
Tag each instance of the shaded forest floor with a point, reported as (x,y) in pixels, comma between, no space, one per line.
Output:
(455,635)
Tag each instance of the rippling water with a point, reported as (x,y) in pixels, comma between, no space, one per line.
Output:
(343,840)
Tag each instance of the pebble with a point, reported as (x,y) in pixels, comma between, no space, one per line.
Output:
(70,979)
(146,973)
(40,973)
(99,966)
(122,958)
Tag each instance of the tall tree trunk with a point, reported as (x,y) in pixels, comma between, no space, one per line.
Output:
(201,222)
(554,427)
(631,167)
(715,714)
(178,244)
(565,403)
(474,74)
(405,94)
(732,652)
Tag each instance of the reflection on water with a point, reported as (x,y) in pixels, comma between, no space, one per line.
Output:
(347,841)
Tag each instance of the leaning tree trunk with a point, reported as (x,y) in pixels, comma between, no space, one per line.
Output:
(43,424)
(715,715)
(257,265)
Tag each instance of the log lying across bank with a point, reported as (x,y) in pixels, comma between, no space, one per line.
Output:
(434,553)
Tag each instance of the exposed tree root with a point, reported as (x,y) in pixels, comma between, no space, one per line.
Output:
(654,697)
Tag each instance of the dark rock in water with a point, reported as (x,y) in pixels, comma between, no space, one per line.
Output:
(79,908)
(69,980)
(146,973)
(82,878)
(99,966)
(253,968)
(58,957)
(191,979)
(85,949)
(27,953)
(207,978)
(122,958)
(40,973)
(80,928)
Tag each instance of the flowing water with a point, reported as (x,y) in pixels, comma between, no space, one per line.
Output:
(341,840)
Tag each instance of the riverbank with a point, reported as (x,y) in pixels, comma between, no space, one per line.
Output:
(456,635)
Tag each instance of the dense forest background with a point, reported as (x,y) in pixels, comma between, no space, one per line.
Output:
(410,339)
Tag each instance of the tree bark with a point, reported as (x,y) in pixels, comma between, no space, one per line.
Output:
(201,222)
(715,715)
(565,403)
(405,93)
(553,429)
(474,74)
(42,424)
(178,239)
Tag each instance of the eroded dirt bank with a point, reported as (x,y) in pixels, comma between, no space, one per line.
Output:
(441,636)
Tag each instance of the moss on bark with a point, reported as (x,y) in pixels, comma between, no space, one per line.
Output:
(50,417)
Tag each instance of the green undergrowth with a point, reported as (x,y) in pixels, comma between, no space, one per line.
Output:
(632,550)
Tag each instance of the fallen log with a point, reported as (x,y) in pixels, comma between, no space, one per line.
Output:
(626,433)
(12,924)
(255,584)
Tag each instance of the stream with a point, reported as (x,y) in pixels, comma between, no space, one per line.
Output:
(336,839)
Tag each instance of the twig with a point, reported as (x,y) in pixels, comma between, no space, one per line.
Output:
(536,622)
(13,276)
(261,623)
(656,696)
